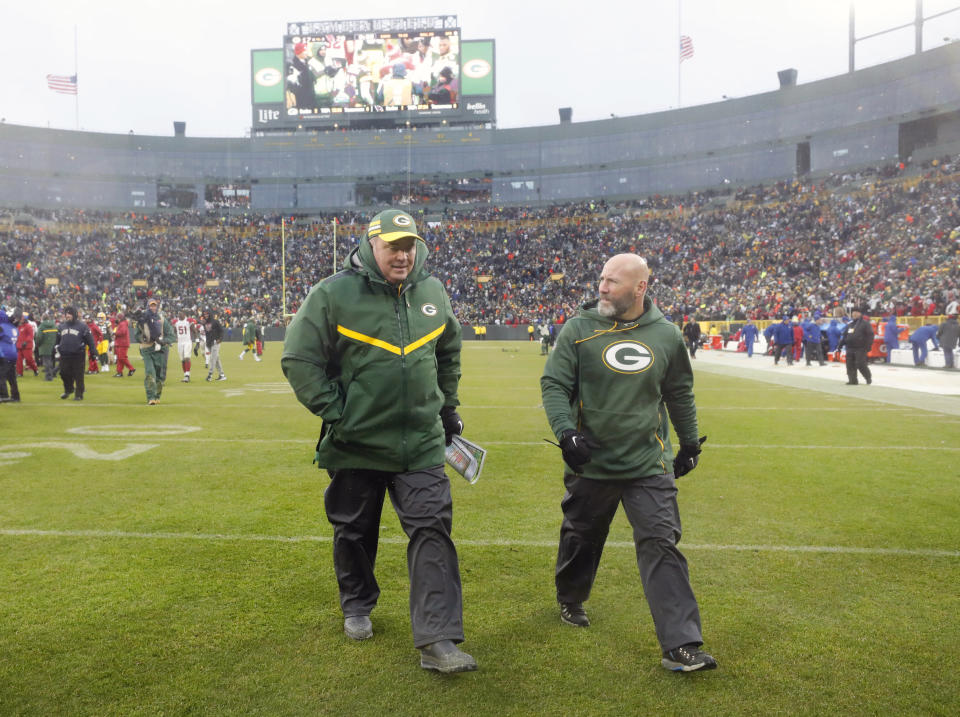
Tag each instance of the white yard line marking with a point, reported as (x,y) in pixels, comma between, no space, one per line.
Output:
(502,543)
(543,444)
(81,450)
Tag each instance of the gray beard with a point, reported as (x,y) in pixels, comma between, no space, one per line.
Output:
(610,309)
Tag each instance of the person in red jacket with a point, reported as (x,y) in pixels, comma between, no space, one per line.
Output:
(121,344)
(93,363)
(797,339)
(25,340)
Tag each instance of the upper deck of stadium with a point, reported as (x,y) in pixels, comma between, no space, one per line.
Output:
(878,115)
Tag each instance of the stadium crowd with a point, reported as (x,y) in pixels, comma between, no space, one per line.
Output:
(890,240)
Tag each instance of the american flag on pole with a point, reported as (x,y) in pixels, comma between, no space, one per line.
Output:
(64,84)
(686,48)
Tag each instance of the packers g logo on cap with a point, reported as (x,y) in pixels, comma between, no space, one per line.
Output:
(627,357)
(428,310)
(392,224)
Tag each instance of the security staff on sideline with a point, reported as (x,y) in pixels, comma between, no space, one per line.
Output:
(857,338)
(73,338)
(618,368)
(691,332)
(374,351)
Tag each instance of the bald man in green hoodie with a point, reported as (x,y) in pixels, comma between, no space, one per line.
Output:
(618,377)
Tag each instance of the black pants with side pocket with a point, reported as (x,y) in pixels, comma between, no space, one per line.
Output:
(650,504)
(422,501)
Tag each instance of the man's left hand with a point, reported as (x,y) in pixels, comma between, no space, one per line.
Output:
(452,423)
(687,458)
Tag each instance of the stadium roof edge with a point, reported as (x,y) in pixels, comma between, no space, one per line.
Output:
(775,99)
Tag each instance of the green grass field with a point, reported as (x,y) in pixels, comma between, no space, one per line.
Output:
(176,559)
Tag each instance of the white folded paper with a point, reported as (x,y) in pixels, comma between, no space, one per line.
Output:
(466,458)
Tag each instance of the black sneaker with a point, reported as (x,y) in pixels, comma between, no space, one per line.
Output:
(687,658)
(573,613)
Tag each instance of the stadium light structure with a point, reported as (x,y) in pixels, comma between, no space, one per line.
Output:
(916,23)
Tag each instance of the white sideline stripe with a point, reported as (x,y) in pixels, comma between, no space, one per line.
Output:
(501,543)
(818,409)
(307,440)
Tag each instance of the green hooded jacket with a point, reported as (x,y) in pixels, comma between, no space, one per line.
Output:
(615,382)
(376,362)
(249,332)
(168,337)
(46,337)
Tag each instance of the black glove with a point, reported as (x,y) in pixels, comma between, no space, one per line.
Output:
(687,458)
(576,449)
(452,423)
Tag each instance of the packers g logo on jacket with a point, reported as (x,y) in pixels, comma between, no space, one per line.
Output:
(627,357)
(428,310)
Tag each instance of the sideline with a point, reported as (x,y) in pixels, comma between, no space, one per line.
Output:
(504,543)
(927,389)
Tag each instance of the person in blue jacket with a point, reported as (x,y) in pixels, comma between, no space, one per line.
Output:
(834,332)
(811,341)
(749,335)
(771,342)
(919,338)
(890,338)
(783,335)
(8,359)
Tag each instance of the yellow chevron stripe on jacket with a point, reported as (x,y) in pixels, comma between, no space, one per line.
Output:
(379,343)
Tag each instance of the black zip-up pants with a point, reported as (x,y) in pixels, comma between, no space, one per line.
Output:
(422,501)
(651,507)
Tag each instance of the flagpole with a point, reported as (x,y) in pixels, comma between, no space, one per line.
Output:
(677,49)
(76,95)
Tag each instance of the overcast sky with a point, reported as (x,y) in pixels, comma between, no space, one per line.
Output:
(144,64)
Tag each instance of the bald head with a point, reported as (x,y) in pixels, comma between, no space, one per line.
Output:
(623,284)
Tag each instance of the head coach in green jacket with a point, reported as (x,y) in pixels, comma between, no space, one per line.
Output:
(619,374)
(374,351)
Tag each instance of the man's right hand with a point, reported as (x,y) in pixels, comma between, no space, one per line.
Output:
(576,450)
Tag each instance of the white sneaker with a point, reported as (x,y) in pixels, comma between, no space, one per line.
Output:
(241,355)
(222,377)
(257,358)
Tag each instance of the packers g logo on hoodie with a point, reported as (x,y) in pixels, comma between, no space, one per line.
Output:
(627,357)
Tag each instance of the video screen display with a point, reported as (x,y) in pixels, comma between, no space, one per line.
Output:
(414,72)
(216,196)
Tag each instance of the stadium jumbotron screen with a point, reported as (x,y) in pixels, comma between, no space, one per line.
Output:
(331,77)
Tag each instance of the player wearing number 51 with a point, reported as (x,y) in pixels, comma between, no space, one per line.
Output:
(620,374)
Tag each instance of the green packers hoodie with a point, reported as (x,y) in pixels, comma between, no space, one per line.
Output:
(619,383)
(376,362)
